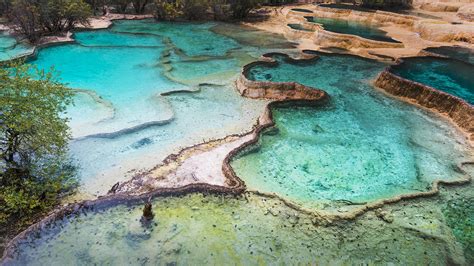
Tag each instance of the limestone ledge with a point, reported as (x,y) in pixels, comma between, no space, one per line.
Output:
(466,12)
(366,17)
(279,91)
(438,31)
(428,29)
(458,110)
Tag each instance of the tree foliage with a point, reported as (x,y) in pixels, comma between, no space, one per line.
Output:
(34,18)
(201,9)
(387,3)
(140,5)
(34,168)
(168,9)
(241,8)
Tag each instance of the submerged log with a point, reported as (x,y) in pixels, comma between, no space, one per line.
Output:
(147,212)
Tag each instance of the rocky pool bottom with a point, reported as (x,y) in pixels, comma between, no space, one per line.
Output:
(208,229)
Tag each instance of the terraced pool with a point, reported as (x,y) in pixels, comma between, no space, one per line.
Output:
(121,122)
(146,90)
(360,147)
(352,27)
(449,75)
(11,48)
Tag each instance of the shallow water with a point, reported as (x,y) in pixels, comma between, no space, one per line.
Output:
(10,48)
(121,123)
(113,74)
(360,147)
(298,27)
(459,215)
(352,27)
(224,230)
(454,52)
(452,76)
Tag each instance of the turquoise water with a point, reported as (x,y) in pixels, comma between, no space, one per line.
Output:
(352,27)
(360,147)
(128,78)
(459,215)
(108,38)
(11,48)
(452,76)
(455,52)
(120,122)
(192,39)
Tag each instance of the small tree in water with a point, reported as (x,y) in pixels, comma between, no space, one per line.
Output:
(34,169)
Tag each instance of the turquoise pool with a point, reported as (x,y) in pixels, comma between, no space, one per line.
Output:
(449,75)
(352,27)
(11,48)
(360,147)
(455,52)
(121,123)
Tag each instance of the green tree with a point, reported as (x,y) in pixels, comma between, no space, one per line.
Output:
(168,9)
(35,18)
(140,5)
(34,169)
(195,9)
(241,8)
(63,15)
(204,9)
(26,16)
(121,5)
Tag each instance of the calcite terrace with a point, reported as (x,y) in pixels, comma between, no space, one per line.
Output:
(197,193)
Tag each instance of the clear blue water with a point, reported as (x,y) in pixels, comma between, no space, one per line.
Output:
(108,38)
(352,27)
(198,39)
(452,76)
(121,123)
(11,48)
(360,147)
(119,75)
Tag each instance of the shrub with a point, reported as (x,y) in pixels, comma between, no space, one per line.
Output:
(34,169)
